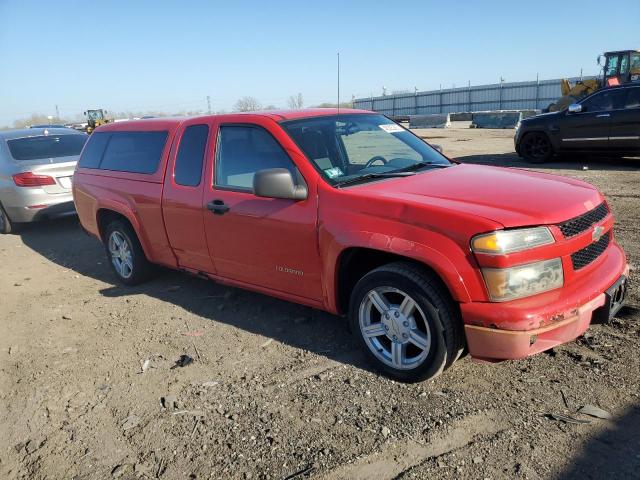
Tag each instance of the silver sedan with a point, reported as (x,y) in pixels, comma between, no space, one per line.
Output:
(36,169)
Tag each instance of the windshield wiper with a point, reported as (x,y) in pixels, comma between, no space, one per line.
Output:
(419,165)
(368,176)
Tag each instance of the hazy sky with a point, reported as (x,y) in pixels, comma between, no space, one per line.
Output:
(169,55)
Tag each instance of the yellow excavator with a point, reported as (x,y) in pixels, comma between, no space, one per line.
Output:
(95,118)
(619,67)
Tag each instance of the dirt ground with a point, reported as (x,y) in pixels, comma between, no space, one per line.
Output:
(279,391)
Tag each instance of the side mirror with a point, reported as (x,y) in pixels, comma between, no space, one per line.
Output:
(277,183)
(575,108)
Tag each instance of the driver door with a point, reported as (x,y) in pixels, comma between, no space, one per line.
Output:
(589,129)
(269,243)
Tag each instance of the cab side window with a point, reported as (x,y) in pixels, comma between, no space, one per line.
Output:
(244,150)
(633,98)
(604,101)
(190,157)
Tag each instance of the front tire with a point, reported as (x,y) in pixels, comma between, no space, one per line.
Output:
(536,147)
(125,254)
(406,322)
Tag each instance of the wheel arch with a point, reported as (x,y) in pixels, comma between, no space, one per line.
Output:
(355,262)
(106,215)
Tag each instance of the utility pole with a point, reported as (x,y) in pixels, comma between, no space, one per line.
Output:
(57,112)
(209,104)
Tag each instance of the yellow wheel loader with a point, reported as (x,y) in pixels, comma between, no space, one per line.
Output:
(95,118)
(618,68)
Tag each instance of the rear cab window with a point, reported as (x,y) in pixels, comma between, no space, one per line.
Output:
(125,151)
(46,146)
(134,152)
(92,154)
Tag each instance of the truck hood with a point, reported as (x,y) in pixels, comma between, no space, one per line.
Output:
(509,196)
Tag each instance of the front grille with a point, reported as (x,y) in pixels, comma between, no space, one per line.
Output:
(587,255)
(583,222)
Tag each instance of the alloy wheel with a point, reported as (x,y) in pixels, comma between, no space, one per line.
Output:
(121,255)
(536,145)
(395,328)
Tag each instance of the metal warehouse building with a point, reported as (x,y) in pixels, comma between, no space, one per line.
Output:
(534,95)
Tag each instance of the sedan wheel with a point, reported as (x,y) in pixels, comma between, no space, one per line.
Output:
(536,147)
(394,328)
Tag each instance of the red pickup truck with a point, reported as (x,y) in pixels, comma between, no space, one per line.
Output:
(349,212)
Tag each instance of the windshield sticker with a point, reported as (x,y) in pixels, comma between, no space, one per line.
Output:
(391,128)
(333,172)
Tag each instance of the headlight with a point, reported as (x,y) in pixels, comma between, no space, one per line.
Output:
(509,241)
(506,284)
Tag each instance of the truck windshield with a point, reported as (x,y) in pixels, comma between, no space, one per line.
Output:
(346,147)
(46,146)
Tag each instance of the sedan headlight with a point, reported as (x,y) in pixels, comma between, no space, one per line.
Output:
(508,241)
(506,284)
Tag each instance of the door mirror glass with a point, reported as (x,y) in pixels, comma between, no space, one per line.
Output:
(277,183)
(575,108)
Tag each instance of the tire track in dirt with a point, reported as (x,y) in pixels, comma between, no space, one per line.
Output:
(399,457)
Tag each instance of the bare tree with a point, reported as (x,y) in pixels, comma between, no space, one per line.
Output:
(335,105)
(37,119)
(247,104)
(296,102)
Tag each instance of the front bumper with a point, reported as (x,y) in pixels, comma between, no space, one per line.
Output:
(518,329)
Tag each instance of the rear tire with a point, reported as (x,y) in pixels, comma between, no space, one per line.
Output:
(125,254)
(6,226)
(406,322)
(536,147)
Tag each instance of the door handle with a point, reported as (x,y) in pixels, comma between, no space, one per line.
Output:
(603,115)
(218,207)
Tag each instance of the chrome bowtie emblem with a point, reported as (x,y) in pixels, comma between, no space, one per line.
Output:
(597,233)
